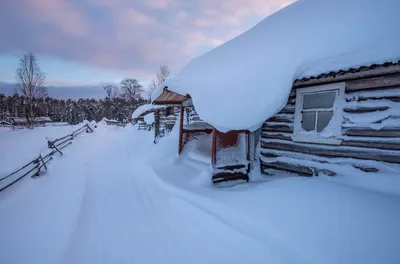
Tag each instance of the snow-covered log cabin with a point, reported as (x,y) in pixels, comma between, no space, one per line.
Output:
(160,116)
(345,117)
(322,90)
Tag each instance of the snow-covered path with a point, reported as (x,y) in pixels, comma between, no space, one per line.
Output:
(126,218)
(104,201)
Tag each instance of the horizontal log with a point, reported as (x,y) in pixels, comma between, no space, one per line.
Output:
(276,136)
(391,94)
(225,176)
(232,167)
(368,132)
(288,109)
(372,145)
(292,168)
(373,83)
(332,151)
(363,165)
(288,129)
(366,169)
(284,118)
(365,109)
(192,131)
(395,99)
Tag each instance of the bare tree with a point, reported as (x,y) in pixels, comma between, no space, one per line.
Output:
(162,76)
(30,83)
(131,89)
(111,91)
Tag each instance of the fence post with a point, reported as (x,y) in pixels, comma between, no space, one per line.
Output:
(44,163)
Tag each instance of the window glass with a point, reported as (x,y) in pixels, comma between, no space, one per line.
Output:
(308,122)
(323,119)
(319,100)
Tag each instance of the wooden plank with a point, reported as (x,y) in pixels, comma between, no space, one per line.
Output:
(181,131)
(273,154)
(232,167)
(368,132)
(293,168)
(284,119)
(214,147)
(393,157)
(276,136)
(226,176)
(373,83)
(288,129)
(365,109)
(371,144)
(286,111)
(193,131)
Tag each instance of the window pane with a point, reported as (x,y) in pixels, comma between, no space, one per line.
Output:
(323,119)
(308,122)
(319,100)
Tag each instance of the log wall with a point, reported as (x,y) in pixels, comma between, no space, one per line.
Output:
(370,133)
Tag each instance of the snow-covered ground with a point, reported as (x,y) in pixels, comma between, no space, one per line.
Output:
(115,197)
(18,147)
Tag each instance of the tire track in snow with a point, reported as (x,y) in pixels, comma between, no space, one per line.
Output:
(117,216)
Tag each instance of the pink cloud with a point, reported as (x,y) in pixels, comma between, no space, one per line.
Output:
(128,36)
(62,14)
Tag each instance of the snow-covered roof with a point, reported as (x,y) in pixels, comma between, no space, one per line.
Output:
(109,120)
(145,108)
(241,83)
(34,119)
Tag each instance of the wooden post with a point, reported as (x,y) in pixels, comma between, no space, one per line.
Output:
(44,163)
(181,131)
(214,147)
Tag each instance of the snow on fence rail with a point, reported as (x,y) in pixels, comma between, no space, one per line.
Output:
(35,166)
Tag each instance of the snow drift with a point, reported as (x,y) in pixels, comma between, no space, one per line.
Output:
(247,80)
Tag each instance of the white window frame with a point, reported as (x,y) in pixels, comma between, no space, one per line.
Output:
(333,137)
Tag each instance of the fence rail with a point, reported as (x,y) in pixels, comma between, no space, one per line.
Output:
(35,166)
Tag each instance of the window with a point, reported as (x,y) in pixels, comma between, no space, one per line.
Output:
(319,113)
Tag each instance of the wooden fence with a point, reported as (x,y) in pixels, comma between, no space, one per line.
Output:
(36,166)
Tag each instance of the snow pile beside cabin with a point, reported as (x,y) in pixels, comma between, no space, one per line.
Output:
(248,79)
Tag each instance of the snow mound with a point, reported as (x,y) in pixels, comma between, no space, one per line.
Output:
(254,72)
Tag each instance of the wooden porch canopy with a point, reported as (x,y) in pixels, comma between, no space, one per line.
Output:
(170,98)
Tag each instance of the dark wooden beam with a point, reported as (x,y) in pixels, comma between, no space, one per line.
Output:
(214,147)
(368,132)
(276,136)
(292,168)
(287,129)
(181,131)
(373,83)
(365,109)
(332,151)
(371,144)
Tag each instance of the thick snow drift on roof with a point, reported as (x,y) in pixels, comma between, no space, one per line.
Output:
(247,80)
(144,108)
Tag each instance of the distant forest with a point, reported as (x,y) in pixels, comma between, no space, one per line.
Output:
(71,111)
(31,98)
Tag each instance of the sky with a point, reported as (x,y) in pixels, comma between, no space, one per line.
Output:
(89,42)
